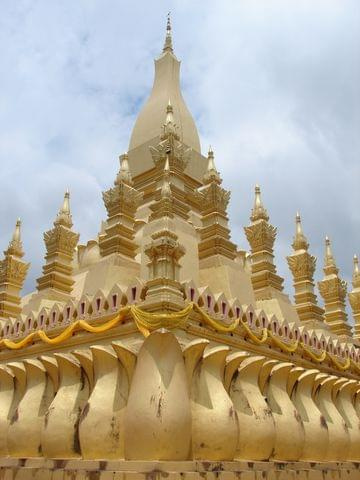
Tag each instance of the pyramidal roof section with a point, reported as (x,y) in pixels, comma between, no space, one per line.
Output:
(166,86)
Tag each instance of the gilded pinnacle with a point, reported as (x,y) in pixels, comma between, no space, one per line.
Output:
(124,175)
(66,205)
(259,211)
(300,242)
(298,224)
(168,47)
(329,258)
(64,216)
(302,266)
(15,246)
(211,173)
(169,126)
(333,291)
(211,164)
(329,261)
(13,271)
(17,231)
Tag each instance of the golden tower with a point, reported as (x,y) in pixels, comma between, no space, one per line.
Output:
(159,348)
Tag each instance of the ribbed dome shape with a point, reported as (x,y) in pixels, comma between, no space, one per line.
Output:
(152,117)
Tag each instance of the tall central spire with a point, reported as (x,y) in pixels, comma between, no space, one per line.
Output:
(168,40)
(149,123)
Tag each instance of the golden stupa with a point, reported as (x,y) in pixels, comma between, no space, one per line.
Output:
(159,349)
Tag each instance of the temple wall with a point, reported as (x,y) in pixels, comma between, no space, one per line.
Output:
(159,399)
(114,470)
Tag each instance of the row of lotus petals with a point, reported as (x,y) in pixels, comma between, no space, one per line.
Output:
(166,400)
(215,304)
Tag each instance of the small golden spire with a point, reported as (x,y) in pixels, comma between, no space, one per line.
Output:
(299,231)
(168,47)
(17,232)
(60,242)
(329,258)
(211,163)
(124,175)
(259,211)
(169,126)
(13,272)
(64,215)
(66,202)
(211,173)
(300,242)
(333,291)
(15,246)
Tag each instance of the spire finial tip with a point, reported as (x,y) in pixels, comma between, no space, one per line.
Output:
(168,40)
(15,245)
(259,211)
(124,174)
(64,215)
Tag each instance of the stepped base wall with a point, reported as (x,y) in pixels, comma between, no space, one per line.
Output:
(42,469)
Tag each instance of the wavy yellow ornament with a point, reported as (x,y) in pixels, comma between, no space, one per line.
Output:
(291,348)
(65,334)
(219,326)
(317,358)
(17,345)
(106,326)
(339,365)
(252,336)
(147,322)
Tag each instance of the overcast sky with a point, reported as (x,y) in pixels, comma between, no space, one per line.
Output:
(274,87)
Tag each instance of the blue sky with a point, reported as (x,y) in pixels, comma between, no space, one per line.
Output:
(273,86)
